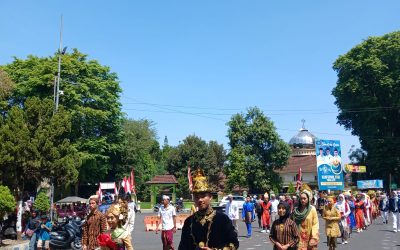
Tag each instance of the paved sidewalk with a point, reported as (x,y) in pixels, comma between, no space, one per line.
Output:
(23,245)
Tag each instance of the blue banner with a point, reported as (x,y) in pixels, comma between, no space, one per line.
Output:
(367,184)
(329,165)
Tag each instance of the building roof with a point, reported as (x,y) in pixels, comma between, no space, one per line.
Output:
(308,164)
(163,179)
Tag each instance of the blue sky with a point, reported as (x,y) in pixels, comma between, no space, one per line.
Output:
(189,65)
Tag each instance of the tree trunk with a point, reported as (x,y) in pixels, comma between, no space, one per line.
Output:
(76,188)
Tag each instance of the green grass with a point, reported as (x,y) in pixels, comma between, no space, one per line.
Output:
(145,205)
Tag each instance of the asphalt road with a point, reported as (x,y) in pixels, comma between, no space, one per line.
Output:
(378,236)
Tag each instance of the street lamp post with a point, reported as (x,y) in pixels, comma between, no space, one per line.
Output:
(60,53)
(56,102)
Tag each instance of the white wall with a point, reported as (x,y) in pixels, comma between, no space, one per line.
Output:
(290,177)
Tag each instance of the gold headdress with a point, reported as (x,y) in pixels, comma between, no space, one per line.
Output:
(330,197)
(306,189)
(200,184)
(119,212)
(371,194)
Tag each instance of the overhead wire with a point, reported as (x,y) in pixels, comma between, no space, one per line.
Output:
(166,108)
(319,111)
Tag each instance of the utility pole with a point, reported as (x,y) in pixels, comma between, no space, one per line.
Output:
(56,102)
(57,99)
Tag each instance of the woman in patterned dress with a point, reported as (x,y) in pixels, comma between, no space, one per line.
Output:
(332,217)
(284,232)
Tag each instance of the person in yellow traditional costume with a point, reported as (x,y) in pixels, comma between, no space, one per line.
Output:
(306,218)
(332,217)
(374,209)
(207,229)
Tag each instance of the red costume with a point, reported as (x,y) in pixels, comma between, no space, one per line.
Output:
(359,214)
(265,214)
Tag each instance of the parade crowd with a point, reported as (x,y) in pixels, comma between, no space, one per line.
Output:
(290,222)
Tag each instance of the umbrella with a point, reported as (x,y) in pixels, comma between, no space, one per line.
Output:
(71,199)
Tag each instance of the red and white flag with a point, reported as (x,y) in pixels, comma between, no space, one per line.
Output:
(190,179)
(115,190)
(100,194)
(298,185)
(124,184)
(132,181)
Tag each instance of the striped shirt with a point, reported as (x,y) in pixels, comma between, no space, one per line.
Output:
(95,224)
(284,233)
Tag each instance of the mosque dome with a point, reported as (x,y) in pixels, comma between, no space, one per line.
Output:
(304,137)
(303,143)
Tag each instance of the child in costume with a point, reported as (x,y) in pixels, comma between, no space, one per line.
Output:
(284,232)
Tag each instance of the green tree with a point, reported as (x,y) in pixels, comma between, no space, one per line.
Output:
(357,155)
(42,202)
(256,151)
(291,189)
(368,98)
(6,88)
(7,201)
(141,151)
(91,96)
(196,153)
(35,145)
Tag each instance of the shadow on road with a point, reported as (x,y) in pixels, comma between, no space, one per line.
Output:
(386,230)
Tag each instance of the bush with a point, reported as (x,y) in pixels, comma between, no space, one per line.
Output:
(42,202)
(291,189)
(7,201)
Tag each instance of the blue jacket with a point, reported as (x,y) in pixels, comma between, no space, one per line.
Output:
(383,208)
(248,207)
(392,202)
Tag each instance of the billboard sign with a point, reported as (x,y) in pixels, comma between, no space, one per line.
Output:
(350,168)
(367,184)
(329,165)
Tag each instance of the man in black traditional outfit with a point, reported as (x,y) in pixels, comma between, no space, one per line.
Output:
(207,228)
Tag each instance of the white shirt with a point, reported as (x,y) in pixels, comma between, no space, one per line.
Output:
(232,211)
(320,160)
(130,222)
(167,216)
(274,205)
(132,205)
(328,159)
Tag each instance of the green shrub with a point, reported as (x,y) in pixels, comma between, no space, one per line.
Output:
(7,201)
(291,189)
(42,202)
